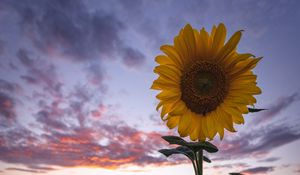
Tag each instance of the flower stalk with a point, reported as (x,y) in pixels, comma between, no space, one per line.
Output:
(199,160)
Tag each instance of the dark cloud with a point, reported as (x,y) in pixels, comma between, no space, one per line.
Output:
(7,86)
(257,142)
(50,119)
(133,58)
(2,47)
(24,170)
(271,159)
(43,168)
(96,76)
(13,66)
(273,111)
(40,73)
(67,29)
(7,106)
(235,174)
(258,170)
(234,165)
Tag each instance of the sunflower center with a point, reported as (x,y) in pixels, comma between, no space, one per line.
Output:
(203,86)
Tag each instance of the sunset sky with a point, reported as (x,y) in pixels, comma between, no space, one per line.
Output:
(75,81)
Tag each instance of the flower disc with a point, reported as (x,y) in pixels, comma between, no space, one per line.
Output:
(205,84)
(203,87)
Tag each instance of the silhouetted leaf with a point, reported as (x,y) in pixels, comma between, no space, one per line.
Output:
(206,159)
(194,146)
(174,140)
(179,150)
(207,146)
(255,109)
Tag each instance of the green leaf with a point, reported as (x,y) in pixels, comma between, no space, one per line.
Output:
(194,146)
(179,150)
(174,140)
(206,159)
(207,146)
(255,109)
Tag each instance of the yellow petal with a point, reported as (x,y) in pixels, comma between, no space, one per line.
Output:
(236,59)
(162,86)
(204,44)
(212,33)
(171,52)
(220,127)
(179,109)
(198,43)
(238,119)
(247,99)
(250,89)
(173,121)
(211,125)
(236,115)
(165,60)
(181,47)
(189,39)
(165,83)
(169,94)
(242,108)
(168,106)
(244,78)
(245,66)
(229,123)
(204,127)
(219,38)
(159,105)
(168,72)
(184,124)
(196,130)
(230,45)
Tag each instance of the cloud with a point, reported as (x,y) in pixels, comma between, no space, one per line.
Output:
(233,165)
(73,130)
(273,111)
(50,119)
(24,170)
(70,30)
(7,106)
(10,87)
(66,28)
(271,159)
(132,57)
(96,76)
(257,142)
(258,170)
(41,73)
(2,47)
(79,146)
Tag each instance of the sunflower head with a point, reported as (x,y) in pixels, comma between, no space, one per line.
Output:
(205,84)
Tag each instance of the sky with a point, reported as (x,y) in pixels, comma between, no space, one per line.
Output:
(75,81)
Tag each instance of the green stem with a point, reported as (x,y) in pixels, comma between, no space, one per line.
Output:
(199,156)
(195,168)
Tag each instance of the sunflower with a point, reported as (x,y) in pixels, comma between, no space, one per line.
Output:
(205,84)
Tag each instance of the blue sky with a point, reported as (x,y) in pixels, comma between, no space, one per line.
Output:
(75,83)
